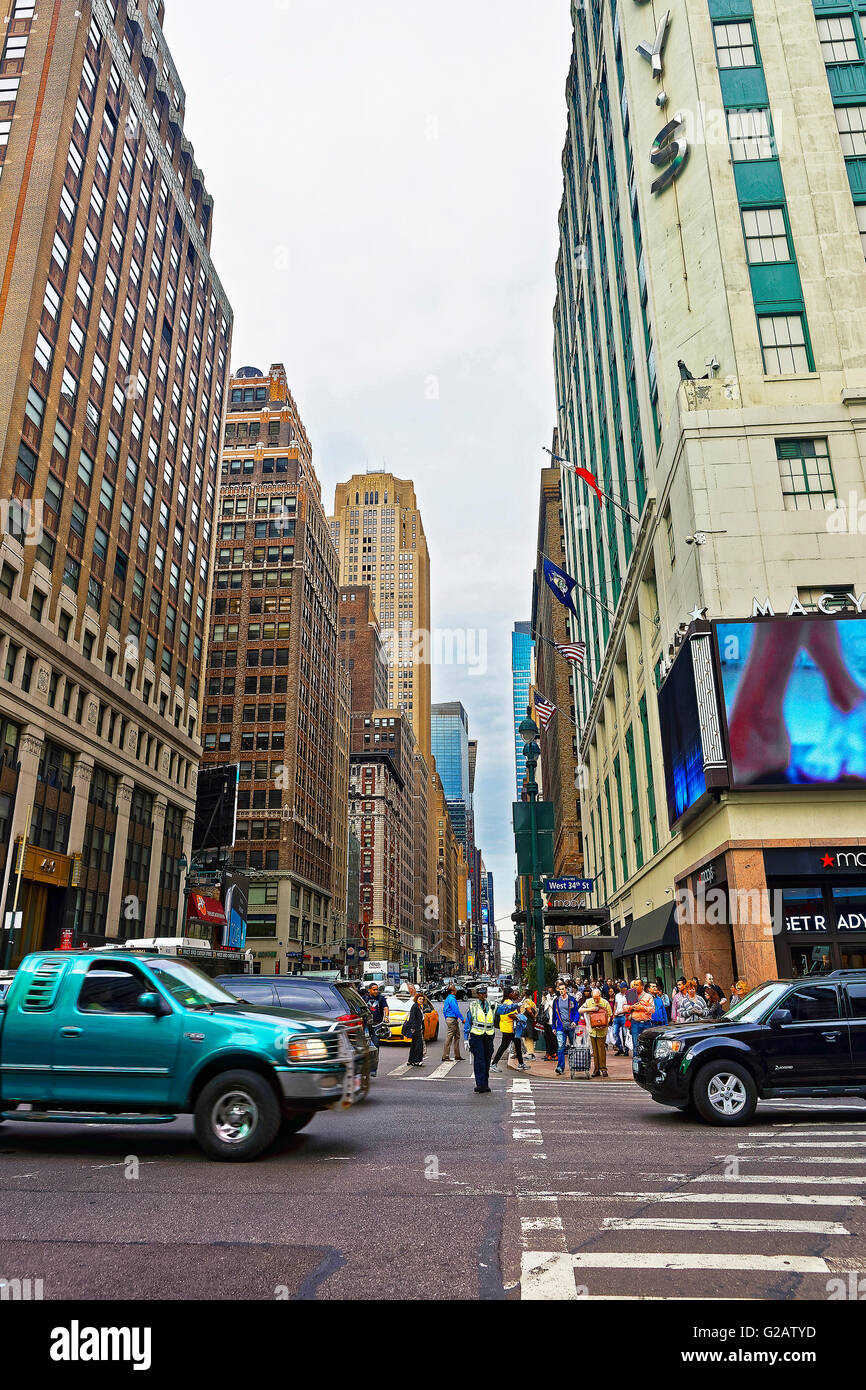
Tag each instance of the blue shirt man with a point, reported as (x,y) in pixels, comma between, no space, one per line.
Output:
(452,1008)
(453,1021)
(564,1017)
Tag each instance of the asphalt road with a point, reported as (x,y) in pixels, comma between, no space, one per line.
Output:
(545,1189)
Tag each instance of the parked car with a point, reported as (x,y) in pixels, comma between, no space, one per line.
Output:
(6,978)
(786,1038)
(338,1001)
(398,1011)
(129,1039)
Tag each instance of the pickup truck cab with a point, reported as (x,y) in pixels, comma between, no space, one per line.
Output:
(786,1038)
(87,1038)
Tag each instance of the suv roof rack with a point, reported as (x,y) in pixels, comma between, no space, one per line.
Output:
(846,975)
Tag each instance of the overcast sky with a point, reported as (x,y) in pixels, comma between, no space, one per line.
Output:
(386,178)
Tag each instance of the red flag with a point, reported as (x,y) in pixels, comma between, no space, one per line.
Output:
(591,481)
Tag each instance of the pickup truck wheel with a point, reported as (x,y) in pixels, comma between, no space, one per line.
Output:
(293,1124)
(725,1093)
(237,1116)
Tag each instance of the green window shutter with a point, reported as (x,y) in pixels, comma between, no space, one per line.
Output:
(651,796)
(635,804)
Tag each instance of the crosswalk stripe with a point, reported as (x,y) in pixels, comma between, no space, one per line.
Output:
(779,1199)
(549,1275)
(740,1224)
(827,1181)
(805,1144)
(442,1070)
(400,1071)
(786,1158)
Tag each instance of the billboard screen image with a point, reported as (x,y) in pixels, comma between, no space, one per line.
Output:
(795,700)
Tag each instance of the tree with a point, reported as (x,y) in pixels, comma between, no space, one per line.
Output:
(550,973)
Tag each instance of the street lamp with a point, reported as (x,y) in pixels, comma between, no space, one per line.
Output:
(529,732)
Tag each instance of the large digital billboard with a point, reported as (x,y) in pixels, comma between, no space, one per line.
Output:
(682,743)
(215,808)
(794,693)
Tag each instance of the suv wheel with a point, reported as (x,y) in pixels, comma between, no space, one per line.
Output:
(725,1093)
(237,1116)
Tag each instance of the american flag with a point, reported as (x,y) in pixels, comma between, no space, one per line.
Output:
(572,651)
(545,709)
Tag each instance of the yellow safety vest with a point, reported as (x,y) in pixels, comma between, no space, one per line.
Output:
(482,1018)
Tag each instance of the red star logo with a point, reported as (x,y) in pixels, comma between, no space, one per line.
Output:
(827,861)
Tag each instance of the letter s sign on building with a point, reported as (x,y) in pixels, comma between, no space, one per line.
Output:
(670,150)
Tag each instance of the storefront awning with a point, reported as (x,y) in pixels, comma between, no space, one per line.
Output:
(652,932)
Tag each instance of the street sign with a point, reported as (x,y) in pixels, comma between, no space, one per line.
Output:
(12,921)
(544,827)
(568,885)
(293,955)
(350,951)
(362,954)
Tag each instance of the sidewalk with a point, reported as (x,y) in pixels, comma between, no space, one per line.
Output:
(619,1068)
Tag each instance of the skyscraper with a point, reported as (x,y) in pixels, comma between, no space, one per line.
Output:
(450,742)
(379,535)
(710,362)
(272,691)
(114,343)
(521,680)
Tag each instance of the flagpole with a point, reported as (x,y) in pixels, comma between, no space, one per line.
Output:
(612,500)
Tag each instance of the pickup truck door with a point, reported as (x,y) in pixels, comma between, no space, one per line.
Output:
(106,1049)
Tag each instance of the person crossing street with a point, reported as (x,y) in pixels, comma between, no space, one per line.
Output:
(453,1021)
(478,1030)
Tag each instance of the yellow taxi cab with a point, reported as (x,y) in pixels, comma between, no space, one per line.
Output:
(398,1012)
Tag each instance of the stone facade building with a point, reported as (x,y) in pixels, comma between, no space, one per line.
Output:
(114,346)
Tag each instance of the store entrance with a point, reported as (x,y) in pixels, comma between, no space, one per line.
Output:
(823,928)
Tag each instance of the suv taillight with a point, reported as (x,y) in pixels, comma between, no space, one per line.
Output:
(352,1020)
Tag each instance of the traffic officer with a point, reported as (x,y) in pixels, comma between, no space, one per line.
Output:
(478,1029)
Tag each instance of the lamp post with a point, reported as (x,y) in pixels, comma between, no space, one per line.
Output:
(528,731)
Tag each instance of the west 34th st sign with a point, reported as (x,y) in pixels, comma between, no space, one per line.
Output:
(670,149)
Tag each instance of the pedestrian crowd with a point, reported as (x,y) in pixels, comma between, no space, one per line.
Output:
(597,1013)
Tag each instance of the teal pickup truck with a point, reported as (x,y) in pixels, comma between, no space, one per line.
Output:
(88,1037)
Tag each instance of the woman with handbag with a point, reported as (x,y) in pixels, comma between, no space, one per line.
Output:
(413,1029)
(529,1009)
(598,1014)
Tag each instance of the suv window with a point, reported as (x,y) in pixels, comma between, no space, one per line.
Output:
(352,999)
(812,1003)
(252,993)
(856,996)
(307,1001)
(112,990)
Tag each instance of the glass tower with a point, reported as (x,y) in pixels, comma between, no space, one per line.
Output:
(521,675)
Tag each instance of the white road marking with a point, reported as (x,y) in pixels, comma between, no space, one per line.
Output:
(786,1158)
(827,1181)
(541,1223)
(654,1259)
(725,1223)
(780,1199)
(442,1070)
(805,1144)
(400,1071)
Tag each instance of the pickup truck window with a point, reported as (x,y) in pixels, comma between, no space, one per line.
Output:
(188,985)
(112,989)
(812,1003)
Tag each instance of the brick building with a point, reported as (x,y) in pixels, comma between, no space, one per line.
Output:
(381,799)
(272,669)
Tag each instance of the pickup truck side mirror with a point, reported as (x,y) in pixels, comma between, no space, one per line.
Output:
(779,1017)
(153,1004)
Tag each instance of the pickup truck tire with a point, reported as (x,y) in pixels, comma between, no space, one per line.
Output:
(293,1124)
(237,1116)
(724,1093)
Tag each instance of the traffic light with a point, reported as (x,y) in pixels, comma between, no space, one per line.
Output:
(561,943)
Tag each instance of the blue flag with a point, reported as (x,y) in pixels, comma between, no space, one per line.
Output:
(561,584)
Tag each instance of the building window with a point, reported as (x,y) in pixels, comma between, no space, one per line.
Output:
(860,210)
(751,135)
(851,123)
(672,543)
(766,235)
(735,45)
(805,473)
(783,342)
(838,42)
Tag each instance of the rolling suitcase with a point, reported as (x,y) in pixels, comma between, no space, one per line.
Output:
(580,1057)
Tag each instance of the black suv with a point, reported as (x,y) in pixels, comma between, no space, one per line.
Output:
(336,1000)
(786,1038)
